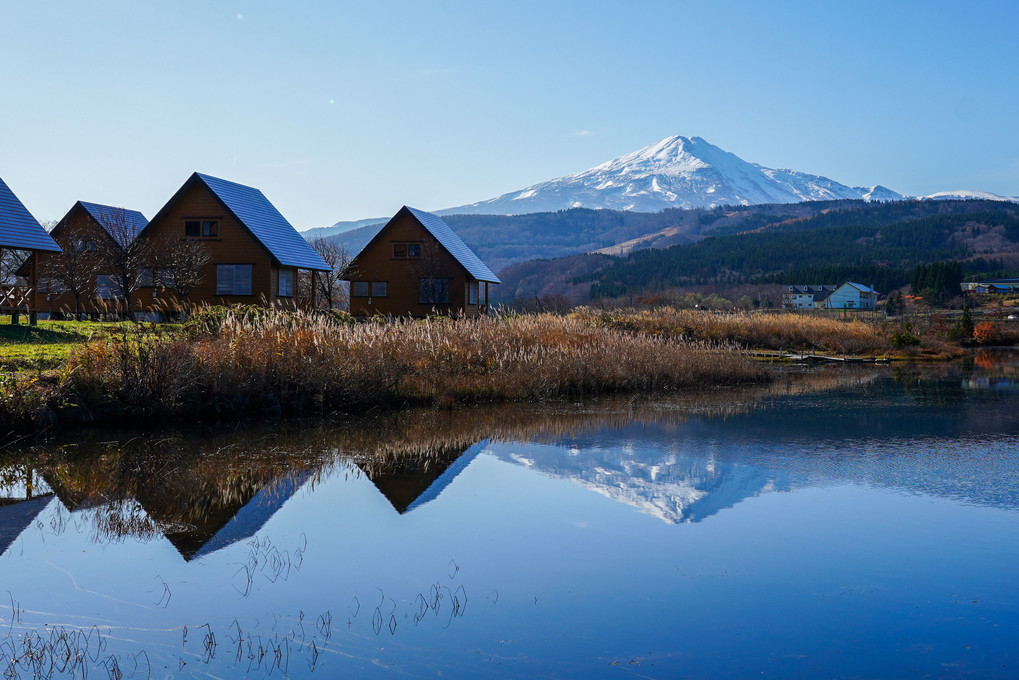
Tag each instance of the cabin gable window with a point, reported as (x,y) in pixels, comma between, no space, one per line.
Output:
(379,288)
(406,250)
(359,289)
(84,245)
(201,228)
(233,279)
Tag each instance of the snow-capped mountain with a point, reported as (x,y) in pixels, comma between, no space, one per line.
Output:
(968,195)
(677,172)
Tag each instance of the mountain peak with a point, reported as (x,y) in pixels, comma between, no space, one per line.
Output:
(674,172)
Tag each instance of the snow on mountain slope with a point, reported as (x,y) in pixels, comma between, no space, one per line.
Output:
(677,172)
(966,194)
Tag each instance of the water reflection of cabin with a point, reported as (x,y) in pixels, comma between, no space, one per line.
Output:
(196,520)
(20,233)
(410,481)
(200,526)
(415,266)
(23,495)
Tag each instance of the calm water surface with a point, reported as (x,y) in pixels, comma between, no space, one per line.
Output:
(860,525)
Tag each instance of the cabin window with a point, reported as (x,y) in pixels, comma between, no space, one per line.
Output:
(472,292)
(201,228)
(286,286)
(51,285)
(359,289)
(233,279)
(406,250)
(379,288)
(150,278)
(107,288)
(433,291)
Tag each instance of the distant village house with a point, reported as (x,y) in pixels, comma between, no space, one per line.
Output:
(991,286)
(804,297)
(847,296)
(415,266)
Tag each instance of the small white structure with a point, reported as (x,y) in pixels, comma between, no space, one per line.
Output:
(850,296)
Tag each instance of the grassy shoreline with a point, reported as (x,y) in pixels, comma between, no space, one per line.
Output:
(275,363)
(235,364)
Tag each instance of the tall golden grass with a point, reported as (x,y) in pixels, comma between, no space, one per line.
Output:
(294,361)
(752,330)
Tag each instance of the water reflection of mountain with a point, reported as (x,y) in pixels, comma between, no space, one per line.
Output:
(656,480)
(683,459)
(918,436)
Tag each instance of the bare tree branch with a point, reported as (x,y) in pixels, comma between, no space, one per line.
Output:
(73,270)
(180,266)
(125,256)
(334,293)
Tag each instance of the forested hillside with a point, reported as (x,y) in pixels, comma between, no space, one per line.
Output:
(878,245)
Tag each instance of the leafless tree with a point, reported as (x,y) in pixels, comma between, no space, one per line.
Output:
(125,256)
(180,267)
(431,270)
(73,270)
(10,261)
(330,286)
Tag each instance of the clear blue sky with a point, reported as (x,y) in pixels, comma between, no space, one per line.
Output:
(343,110)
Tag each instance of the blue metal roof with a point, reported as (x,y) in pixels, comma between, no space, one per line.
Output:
(862,288)
(264,221)
(121,224)
(454,245)
(18,229)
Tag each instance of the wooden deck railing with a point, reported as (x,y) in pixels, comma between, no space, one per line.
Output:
(16,298)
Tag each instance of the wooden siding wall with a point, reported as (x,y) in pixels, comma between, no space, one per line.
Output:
(232,245)
(77,225)
(402,275)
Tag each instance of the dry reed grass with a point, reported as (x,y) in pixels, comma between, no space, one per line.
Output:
(751,330)
(293,361)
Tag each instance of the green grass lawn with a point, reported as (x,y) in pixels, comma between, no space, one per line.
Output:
(46,346)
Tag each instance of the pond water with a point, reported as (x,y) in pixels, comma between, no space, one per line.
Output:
(841,523)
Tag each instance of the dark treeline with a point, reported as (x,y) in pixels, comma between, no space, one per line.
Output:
(936,281)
